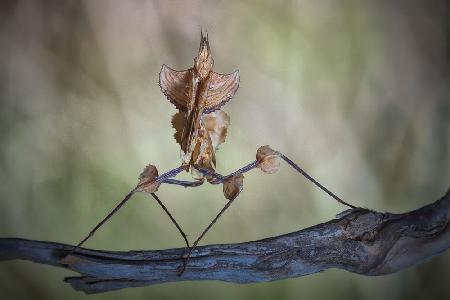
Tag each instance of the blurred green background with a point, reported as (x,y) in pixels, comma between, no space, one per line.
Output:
(355,92)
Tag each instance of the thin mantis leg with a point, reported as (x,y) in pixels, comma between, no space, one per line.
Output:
(244,169)
(91,233)
(160,179)
(169,174)
(301,171)
(194,245)
(217,178)
(184,183)
(171,218)
(127,197)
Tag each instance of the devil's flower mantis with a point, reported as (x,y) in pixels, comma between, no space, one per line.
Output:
(200,126)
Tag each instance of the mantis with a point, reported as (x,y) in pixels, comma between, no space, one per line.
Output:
(200,126)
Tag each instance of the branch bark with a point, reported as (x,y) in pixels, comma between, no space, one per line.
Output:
(358,240)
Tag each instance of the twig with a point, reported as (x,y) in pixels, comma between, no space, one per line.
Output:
(359,240)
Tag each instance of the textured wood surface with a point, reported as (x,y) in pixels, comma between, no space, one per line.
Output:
(358,240)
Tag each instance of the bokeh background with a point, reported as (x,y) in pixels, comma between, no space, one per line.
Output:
(356,92)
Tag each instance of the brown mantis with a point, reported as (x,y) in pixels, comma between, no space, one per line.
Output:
(201,126)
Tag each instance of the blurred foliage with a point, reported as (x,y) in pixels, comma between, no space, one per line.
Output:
(355,92)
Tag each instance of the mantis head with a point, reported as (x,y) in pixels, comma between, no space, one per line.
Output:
(203,63)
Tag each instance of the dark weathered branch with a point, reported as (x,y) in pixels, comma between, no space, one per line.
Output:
(359,240)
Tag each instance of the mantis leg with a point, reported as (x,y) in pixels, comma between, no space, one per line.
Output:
(171,218)
(315,182)
(127,197)
(160,179)
(217,178)
(184,183)
(91,233)
(194,245)
(169,174)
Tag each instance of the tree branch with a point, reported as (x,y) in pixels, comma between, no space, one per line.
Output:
(359,240)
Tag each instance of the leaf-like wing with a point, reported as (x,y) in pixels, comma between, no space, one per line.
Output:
(176,86)
(222,88)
